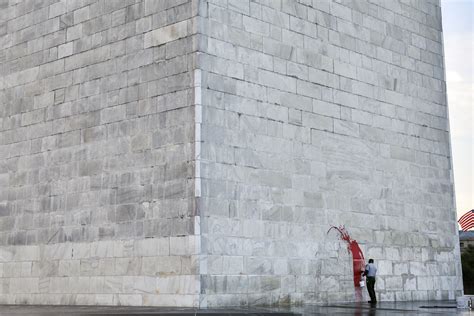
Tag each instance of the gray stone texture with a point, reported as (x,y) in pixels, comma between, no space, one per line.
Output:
(97,153)
(195,153)
(319,113)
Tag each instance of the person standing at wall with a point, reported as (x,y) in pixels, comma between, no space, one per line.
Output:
(370,272)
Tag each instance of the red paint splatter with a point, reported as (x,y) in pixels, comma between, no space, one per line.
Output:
(358,261)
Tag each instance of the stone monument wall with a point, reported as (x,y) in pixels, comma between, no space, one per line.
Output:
(320,113)
(97,153)
(195,153)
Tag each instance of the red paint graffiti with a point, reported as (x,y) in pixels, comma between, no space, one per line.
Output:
(358,261)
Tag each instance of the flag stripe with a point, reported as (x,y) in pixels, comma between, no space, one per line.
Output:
(467,215)
(467,220)
(467,227)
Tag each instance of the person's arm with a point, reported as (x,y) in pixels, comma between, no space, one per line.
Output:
(366,270)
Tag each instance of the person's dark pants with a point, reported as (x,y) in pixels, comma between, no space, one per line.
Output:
(370,288)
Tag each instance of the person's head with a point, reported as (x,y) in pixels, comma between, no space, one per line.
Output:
(371,260)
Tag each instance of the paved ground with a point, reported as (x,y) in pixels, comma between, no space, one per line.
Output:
(382,309)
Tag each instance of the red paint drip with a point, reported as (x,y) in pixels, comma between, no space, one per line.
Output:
(358,261)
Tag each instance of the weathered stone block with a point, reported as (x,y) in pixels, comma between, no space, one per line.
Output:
(166,34)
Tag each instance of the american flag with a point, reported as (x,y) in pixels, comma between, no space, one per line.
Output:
(467,221)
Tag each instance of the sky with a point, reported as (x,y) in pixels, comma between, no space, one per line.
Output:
(458,31)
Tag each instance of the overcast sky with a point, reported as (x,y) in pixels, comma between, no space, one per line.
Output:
(458,29)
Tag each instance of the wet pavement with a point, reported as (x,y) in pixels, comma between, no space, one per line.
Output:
(359,309)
